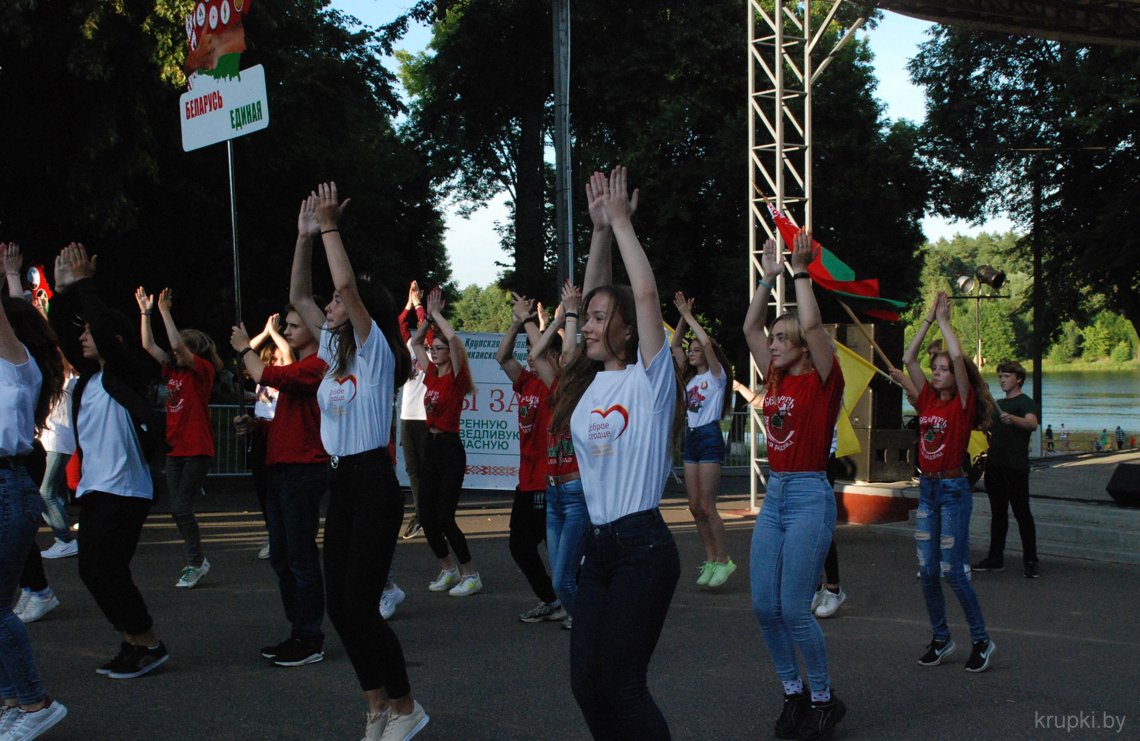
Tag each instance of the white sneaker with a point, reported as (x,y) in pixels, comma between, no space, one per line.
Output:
(447,579)
(374,725)
(37,607)
(9,714)
(389,599)
(470,585)
(403,727)
(32,725)
(817,597)
(22,602)
(191,575)
(830,603)
(263,554)
(60,549)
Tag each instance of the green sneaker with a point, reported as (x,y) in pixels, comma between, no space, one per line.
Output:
(706,573)
(720,573)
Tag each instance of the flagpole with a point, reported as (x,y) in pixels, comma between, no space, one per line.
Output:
(866,334)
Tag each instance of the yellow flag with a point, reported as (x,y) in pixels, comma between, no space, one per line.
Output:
(978,444)
(857,374)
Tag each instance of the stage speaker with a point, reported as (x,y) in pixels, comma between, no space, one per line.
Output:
(886,455)
(1124,486)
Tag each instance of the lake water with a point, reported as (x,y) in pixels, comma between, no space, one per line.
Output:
(1083,400)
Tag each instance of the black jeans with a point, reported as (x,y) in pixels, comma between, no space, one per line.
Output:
(366,509)
(257,468)
(441,482)
(528,529)
(625,586)
(293,514)
(413,439)
(109,530)
(185,476)
(1008,488)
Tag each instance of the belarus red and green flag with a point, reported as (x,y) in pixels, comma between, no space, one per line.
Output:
(836,276)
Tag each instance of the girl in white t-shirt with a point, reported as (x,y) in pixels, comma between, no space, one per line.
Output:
(31,379)
(705,371)
(620,399)
(367,361)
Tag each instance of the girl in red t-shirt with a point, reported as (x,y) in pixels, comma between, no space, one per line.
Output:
(954,401)
(188,369)
(448,379)
(802,393)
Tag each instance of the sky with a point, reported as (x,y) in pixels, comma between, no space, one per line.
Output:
(473,244)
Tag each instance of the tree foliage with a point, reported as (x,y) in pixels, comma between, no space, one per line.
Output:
(1006,113)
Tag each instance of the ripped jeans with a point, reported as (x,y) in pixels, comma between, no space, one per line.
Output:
(942,536)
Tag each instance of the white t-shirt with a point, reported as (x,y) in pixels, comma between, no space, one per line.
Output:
(112,457)
(412,393)
(265,402)
(356,411)
(57,435)
(19,392)
(704,398)
(621,429)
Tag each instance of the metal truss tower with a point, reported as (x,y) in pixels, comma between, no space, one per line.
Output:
(782,44)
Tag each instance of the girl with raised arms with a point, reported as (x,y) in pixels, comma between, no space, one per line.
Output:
(803,390)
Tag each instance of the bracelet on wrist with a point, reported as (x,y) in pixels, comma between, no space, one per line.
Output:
(801,275)
(248,348)
(571,315)
(328,231)
(766,284)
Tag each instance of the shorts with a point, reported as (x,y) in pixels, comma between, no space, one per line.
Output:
(704,444)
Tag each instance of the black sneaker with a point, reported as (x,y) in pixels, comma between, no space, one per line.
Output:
(270,652)
(821,719)
(138,661)
(936,651)
(989,564)
(1031,571)
(296,652)
(792,716)
(105,669)
(980,657)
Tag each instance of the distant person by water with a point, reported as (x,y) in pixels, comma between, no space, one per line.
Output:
(1119,438)
(1064,435)
(1048,438)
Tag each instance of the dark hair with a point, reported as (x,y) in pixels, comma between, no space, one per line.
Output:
(378,301)
(579,374)
(984,406)
(1014,367)
(30,328)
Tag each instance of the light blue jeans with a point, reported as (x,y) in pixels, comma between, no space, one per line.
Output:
(942,536)
(789,545)
(20,507)
(566,523)
(53,490)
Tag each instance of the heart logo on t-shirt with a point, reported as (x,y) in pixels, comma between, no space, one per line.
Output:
(341,396)
(621,412)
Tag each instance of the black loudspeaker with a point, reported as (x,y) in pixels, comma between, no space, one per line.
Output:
(886,455)
(880,406)
(1124,486)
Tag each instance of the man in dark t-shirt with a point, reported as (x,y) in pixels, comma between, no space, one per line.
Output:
(1007,470)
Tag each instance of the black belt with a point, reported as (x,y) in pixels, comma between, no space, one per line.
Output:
(12,462)
(356,459)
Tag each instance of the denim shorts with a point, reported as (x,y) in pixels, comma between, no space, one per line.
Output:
(704,444)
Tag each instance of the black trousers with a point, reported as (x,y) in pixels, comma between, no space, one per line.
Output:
(109,530)
(1009,488)
(528,529)
(441,482)
(413,439)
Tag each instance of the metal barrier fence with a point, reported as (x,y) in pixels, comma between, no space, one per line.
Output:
(230,458)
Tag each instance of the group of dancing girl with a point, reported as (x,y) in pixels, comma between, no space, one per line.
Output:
(605,398)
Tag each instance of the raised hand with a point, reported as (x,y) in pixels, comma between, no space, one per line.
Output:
(415,295)
(13,259)
(522,308)
(435,302)
(684,306)
(942,307)
(271,324)
(145,302)
(571,297)
(239,338)
(595,202)
(165,301)
(619,206)
(72,264)
(329,208)
(801,251)
(769,261)
(307,223)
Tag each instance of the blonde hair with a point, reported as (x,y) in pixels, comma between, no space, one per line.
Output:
(199,343)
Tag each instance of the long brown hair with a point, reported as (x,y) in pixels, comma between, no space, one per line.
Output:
(30,328)
(378,301)
(984,404)
(201,344)
(577,376)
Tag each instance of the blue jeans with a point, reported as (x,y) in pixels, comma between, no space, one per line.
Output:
(942,535)
(293,514)
(20,508)
(53,490)
(789,545)
(624,590)
(566,523)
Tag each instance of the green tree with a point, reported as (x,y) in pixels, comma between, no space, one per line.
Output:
(1067,346)
(482,309)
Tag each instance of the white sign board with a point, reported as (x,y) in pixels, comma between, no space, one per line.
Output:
(216,110)
(489,425)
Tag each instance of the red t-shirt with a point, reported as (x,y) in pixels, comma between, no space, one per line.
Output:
(799,417)
(443,399)
(188,430)
(560,458)
(943,430)
(531,393)
(294,434)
